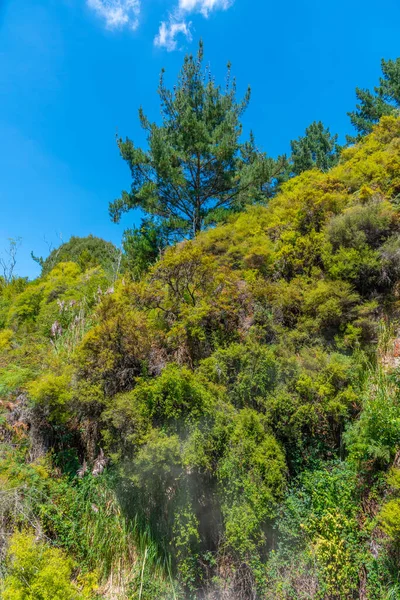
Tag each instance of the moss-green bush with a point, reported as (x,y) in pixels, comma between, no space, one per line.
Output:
(224,385)
(38,572)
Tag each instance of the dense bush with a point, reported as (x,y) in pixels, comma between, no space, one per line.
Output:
(88,252)
(38,572)
(234,391)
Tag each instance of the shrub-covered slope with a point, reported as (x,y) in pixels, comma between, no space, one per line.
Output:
(222,427)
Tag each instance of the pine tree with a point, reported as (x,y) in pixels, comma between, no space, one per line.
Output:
(196,168)
(384,100)
(144,245)
(318,148)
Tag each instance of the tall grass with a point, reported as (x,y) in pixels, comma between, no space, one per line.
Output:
(84,517)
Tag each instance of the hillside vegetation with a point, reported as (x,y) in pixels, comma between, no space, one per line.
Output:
(225,426)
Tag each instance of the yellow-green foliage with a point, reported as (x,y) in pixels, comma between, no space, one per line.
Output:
(252,476)
(291,224)
(38,572)
(335,555)
(390,513)
(235,363)
(27,305)
(321,537)
(13,377)
(6,336)
(51,390)
(45,318)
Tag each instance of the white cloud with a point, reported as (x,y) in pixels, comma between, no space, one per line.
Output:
(125,13)
(168,32)
(177,23)
(204,6)
(117,13)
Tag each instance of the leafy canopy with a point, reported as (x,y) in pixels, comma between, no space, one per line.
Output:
(383,101)
(144,245)
(196,168)
(318,148)
(87,252)
(38,572)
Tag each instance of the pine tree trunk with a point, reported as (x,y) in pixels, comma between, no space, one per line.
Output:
(196,223)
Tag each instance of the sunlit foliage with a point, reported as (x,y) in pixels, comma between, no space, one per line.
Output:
(232,388)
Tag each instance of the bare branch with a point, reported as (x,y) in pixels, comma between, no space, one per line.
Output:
(8,259)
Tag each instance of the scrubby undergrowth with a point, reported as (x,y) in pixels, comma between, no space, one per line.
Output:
(224,426)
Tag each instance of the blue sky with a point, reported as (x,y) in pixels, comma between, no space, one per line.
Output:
(74,72)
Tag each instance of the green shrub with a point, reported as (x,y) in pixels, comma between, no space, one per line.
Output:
(318,533)
(390,513)
(38,572)
(252,476)
(375,436)
(249,372)
(52,392)
(87,252)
